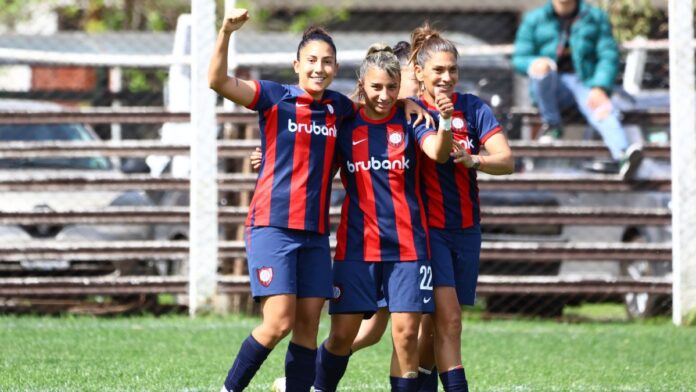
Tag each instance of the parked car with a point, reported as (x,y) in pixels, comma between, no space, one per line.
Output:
(64,200)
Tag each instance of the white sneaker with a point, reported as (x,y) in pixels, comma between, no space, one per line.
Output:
(630,162)
(278,385)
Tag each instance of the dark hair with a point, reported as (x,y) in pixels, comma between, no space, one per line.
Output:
(402,50)
(425,41)
(315,33)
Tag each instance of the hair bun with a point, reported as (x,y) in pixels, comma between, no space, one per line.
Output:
(379,47)
(312,30)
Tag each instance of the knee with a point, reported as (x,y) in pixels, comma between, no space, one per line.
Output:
(340,341)
(405,336)
(450,325)
(279,328)
(539,67)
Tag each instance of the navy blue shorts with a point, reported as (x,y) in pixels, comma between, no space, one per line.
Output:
(288,261)
(455,259)
(359,286)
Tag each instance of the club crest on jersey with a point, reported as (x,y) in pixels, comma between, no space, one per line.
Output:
(396,137)
(337,292)
(458,123)
(330,108)
(265,275)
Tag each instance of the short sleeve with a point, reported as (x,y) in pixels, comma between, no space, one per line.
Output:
(420,132)
(268,93)
(486,123)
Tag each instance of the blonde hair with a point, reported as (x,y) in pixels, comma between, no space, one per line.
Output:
(379,56)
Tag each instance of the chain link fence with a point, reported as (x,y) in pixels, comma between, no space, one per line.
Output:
(557,239)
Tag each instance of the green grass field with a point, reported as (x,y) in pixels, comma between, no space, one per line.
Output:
(175,353)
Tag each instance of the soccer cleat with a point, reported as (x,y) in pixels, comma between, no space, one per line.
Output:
(278,385)
(631,161)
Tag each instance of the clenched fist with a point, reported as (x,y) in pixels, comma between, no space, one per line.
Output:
(235,19)
(444,104)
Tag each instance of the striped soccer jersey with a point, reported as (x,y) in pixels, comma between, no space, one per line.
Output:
(450,191)
(298,138)
(382,217)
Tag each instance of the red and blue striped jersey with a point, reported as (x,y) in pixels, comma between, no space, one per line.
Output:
(298,139)
(450,191)
(382,217)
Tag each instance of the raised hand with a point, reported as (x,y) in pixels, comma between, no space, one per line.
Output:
(444,104)
(234,19)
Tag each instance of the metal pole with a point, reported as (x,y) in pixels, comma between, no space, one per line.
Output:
(203,227)
(683,136)
(116,86)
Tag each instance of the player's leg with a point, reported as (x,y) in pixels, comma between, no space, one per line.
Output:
(355,295)
(313,288)
(447,316)
(427,372)
(278,313)
(404,365)
(408,290)
(272,263)
(466,251)
(371,330)
(448,329)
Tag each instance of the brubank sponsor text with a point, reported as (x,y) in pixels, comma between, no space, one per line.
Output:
(376,164)
(317,129)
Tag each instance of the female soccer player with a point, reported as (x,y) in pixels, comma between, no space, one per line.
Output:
(372,329)
(382,244)
(288,254)
(450,194)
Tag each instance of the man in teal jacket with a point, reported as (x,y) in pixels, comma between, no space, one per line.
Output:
(568,50)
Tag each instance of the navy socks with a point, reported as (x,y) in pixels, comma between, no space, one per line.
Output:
(299,368)
(427,380)
(399,384)
(249,359)
(454,380)
(329,370)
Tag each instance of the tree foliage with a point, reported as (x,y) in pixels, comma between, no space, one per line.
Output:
(111,15)
(633,18)
(99,15)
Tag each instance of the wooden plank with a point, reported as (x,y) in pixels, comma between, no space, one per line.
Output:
(488,285)
(146,250)
(238,182)
(237,215)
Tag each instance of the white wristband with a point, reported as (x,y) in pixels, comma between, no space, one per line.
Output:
(446,124)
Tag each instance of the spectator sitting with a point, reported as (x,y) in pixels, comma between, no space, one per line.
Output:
(567,49)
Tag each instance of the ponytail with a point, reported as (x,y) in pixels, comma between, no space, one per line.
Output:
(425,41)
